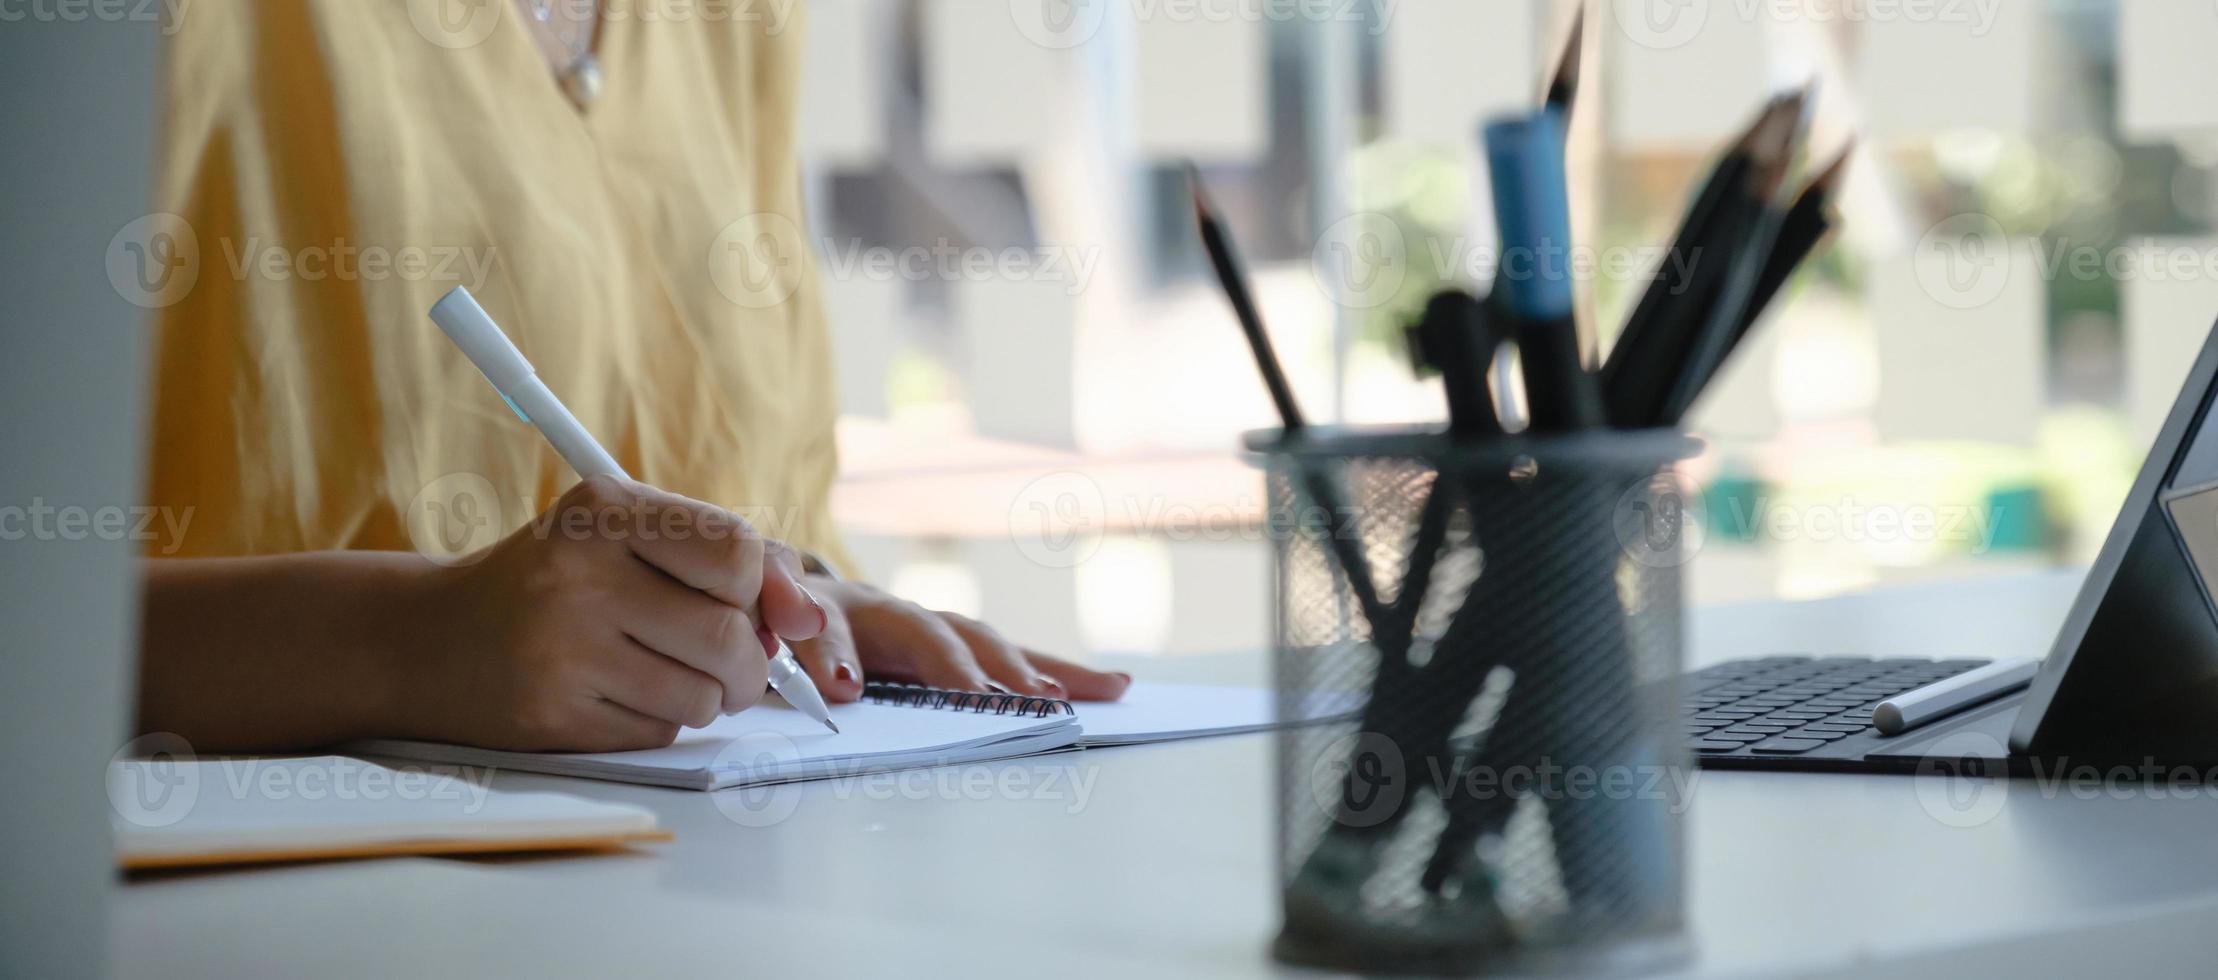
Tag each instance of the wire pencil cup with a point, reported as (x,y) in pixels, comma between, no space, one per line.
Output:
(1501,622)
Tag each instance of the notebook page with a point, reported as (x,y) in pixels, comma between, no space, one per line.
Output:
(773,732)
(772,742)
(1155,712)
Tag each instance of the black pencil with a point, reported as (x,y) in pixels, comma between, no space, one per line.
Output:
(1230,275)
(1804,226)
(1808,222)
(1342,535)
(1563,86)
(1720,326)
(1651,351)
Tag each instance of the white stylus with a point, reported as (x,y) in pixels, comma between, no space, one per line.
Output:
(1950,695)
(466,323)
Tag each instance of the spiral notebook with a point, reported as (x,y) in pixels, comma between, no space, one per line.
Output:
(895,726)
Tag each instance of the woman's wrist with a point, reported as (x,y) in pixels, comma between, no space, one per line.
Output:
(407,651)
(286,652)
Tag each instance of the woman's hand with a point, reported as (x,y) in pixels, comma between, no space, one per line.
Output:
(871,634)
(620,615)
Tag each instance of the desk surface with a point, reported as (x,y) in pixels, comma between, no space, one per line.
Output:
(1159,859)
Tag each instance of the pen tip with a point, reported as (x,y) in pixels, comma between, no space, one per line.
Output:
(828,724)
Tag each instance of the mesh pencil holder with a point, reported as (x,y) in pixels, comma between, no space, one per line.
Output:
(1481,643)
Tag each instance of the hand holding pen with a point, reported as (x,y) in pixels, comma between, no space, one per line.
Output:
(627,612)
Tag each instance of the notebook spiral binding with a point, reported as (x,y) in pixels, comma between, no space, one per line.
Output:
(919,696)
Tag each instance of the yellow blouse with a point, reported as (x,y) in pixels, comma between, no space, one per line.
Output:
(341,164)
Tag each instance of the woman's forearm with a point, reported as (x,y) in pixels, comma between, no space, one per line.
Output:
(285,652)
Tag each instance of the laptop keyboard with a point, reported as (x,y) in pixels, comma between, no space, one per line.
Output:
(1785,706)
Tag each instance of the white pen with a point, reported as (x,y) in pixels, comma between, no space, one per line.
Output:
(1949,695)
(466,323)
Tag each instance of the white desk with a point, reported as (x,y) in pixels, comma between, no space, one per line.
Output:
(1166,868)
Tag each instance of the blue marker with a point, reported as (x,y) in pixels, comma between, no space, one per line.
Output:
(1534,280)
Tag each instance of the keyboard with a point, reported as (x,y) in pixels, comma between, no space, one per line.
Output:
(1797,712)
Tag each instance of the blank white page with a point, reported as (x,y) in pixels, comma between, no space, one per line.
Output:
(772,742)
(1166,712)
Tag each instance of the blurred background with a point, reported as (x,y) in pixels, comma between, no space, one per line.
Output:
(1043,389)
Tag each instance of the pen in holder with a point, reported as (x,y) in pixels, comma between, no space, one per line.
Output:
(1501,790)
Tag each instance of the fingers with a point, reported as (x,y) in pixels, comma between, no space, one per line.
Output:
(706,547)
(1083,683)
(1001,659)
(934,653)
(701,632)
(830,658)
(709,549)
(785,607)
(661,688)
(615,728)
